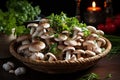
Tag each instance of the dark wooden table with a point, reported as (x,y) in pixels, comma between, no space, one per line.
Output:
(107,65)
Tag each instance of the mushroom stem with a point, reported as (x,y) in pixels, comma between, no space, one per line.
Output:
(68,55)
(32,31)
(73,58)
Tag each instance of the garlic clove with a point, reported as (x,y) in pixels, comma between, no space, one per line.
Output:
(20,71)
(11,71)
(8,66)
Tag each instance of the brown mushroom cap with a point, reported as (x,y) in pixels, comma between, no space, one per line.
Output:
(50,56)
(89,53)
(61,37)
(93,36)
(101,42)
(100,32)
(92,29)
(22,47)
(79,53)
(71,42)
(37,46)
(23,37)
(77,29)
(68,48)
(34,25)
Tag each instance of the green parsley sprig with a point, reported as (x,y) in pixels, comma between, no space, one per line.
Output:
(17,13)
(61,22)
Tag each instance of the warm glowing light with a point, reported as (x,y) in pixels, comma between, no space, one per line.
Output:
(93,4)
(93,7)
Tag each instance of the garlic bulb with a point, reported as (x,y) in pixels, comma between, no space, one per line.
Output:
(8,66)
(20,71)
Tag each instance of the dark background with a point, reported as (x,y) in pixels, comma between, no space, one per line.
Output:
(67,6)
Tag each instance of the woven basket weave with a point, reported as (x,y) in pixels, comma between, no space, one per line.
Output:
(60,66)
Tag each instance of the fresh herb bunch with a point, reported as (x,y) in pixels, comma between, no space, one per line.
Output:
(94,76)
(18,12)
(62,22)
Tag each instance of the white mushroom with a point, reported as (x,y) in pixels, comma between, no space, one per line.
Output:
(67,51)
(25,42)
(71,42)
(61,47)
(92,29)
(61,37)
(93,36)
(37,46)
(76,30)
(33,27)
(97,49)
(79,53)
(50,56)
(47,38)
(20,71)
(8,66)
(92,45)
(73,58)
(22,38)
(100,32)
(101,42)
(89,45)
(37,56)
(40,56)
(21,48)
(89,53)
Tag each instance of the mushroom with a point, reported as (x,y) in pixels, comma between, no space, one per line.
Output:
(25,42)
(89,53)
(21,48)
(71,42)
(22,38)
(79,53)
(40,56)
(76,30)
(61,37)
(41,29)
(73,58)
(101,42)
(89,45)
(33,27)
(79,35)
(93,36)
(47,38)
(8,66)
(20,71)
(37,46)
(37,56)
(50,57)
(61,47)
(100,32)
(43,20)
(92,29)
(68,51)
(97,49)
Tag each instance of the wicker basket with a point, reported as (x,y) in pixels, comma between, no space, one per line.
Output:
(60,66)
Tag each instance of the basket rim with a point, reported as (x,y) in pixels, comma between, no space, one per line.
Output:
(85,60)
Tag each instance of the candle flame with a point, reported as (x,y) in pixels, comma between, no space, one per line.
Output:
(93,4)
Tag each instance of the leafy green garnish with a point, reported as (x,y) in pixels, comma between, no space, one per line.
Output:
(53,48)
(91,76)
(18,13)
(61,22)
(94,76)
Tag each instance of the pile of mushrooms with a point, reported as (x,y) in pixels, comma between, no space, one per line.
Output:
(36,46)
